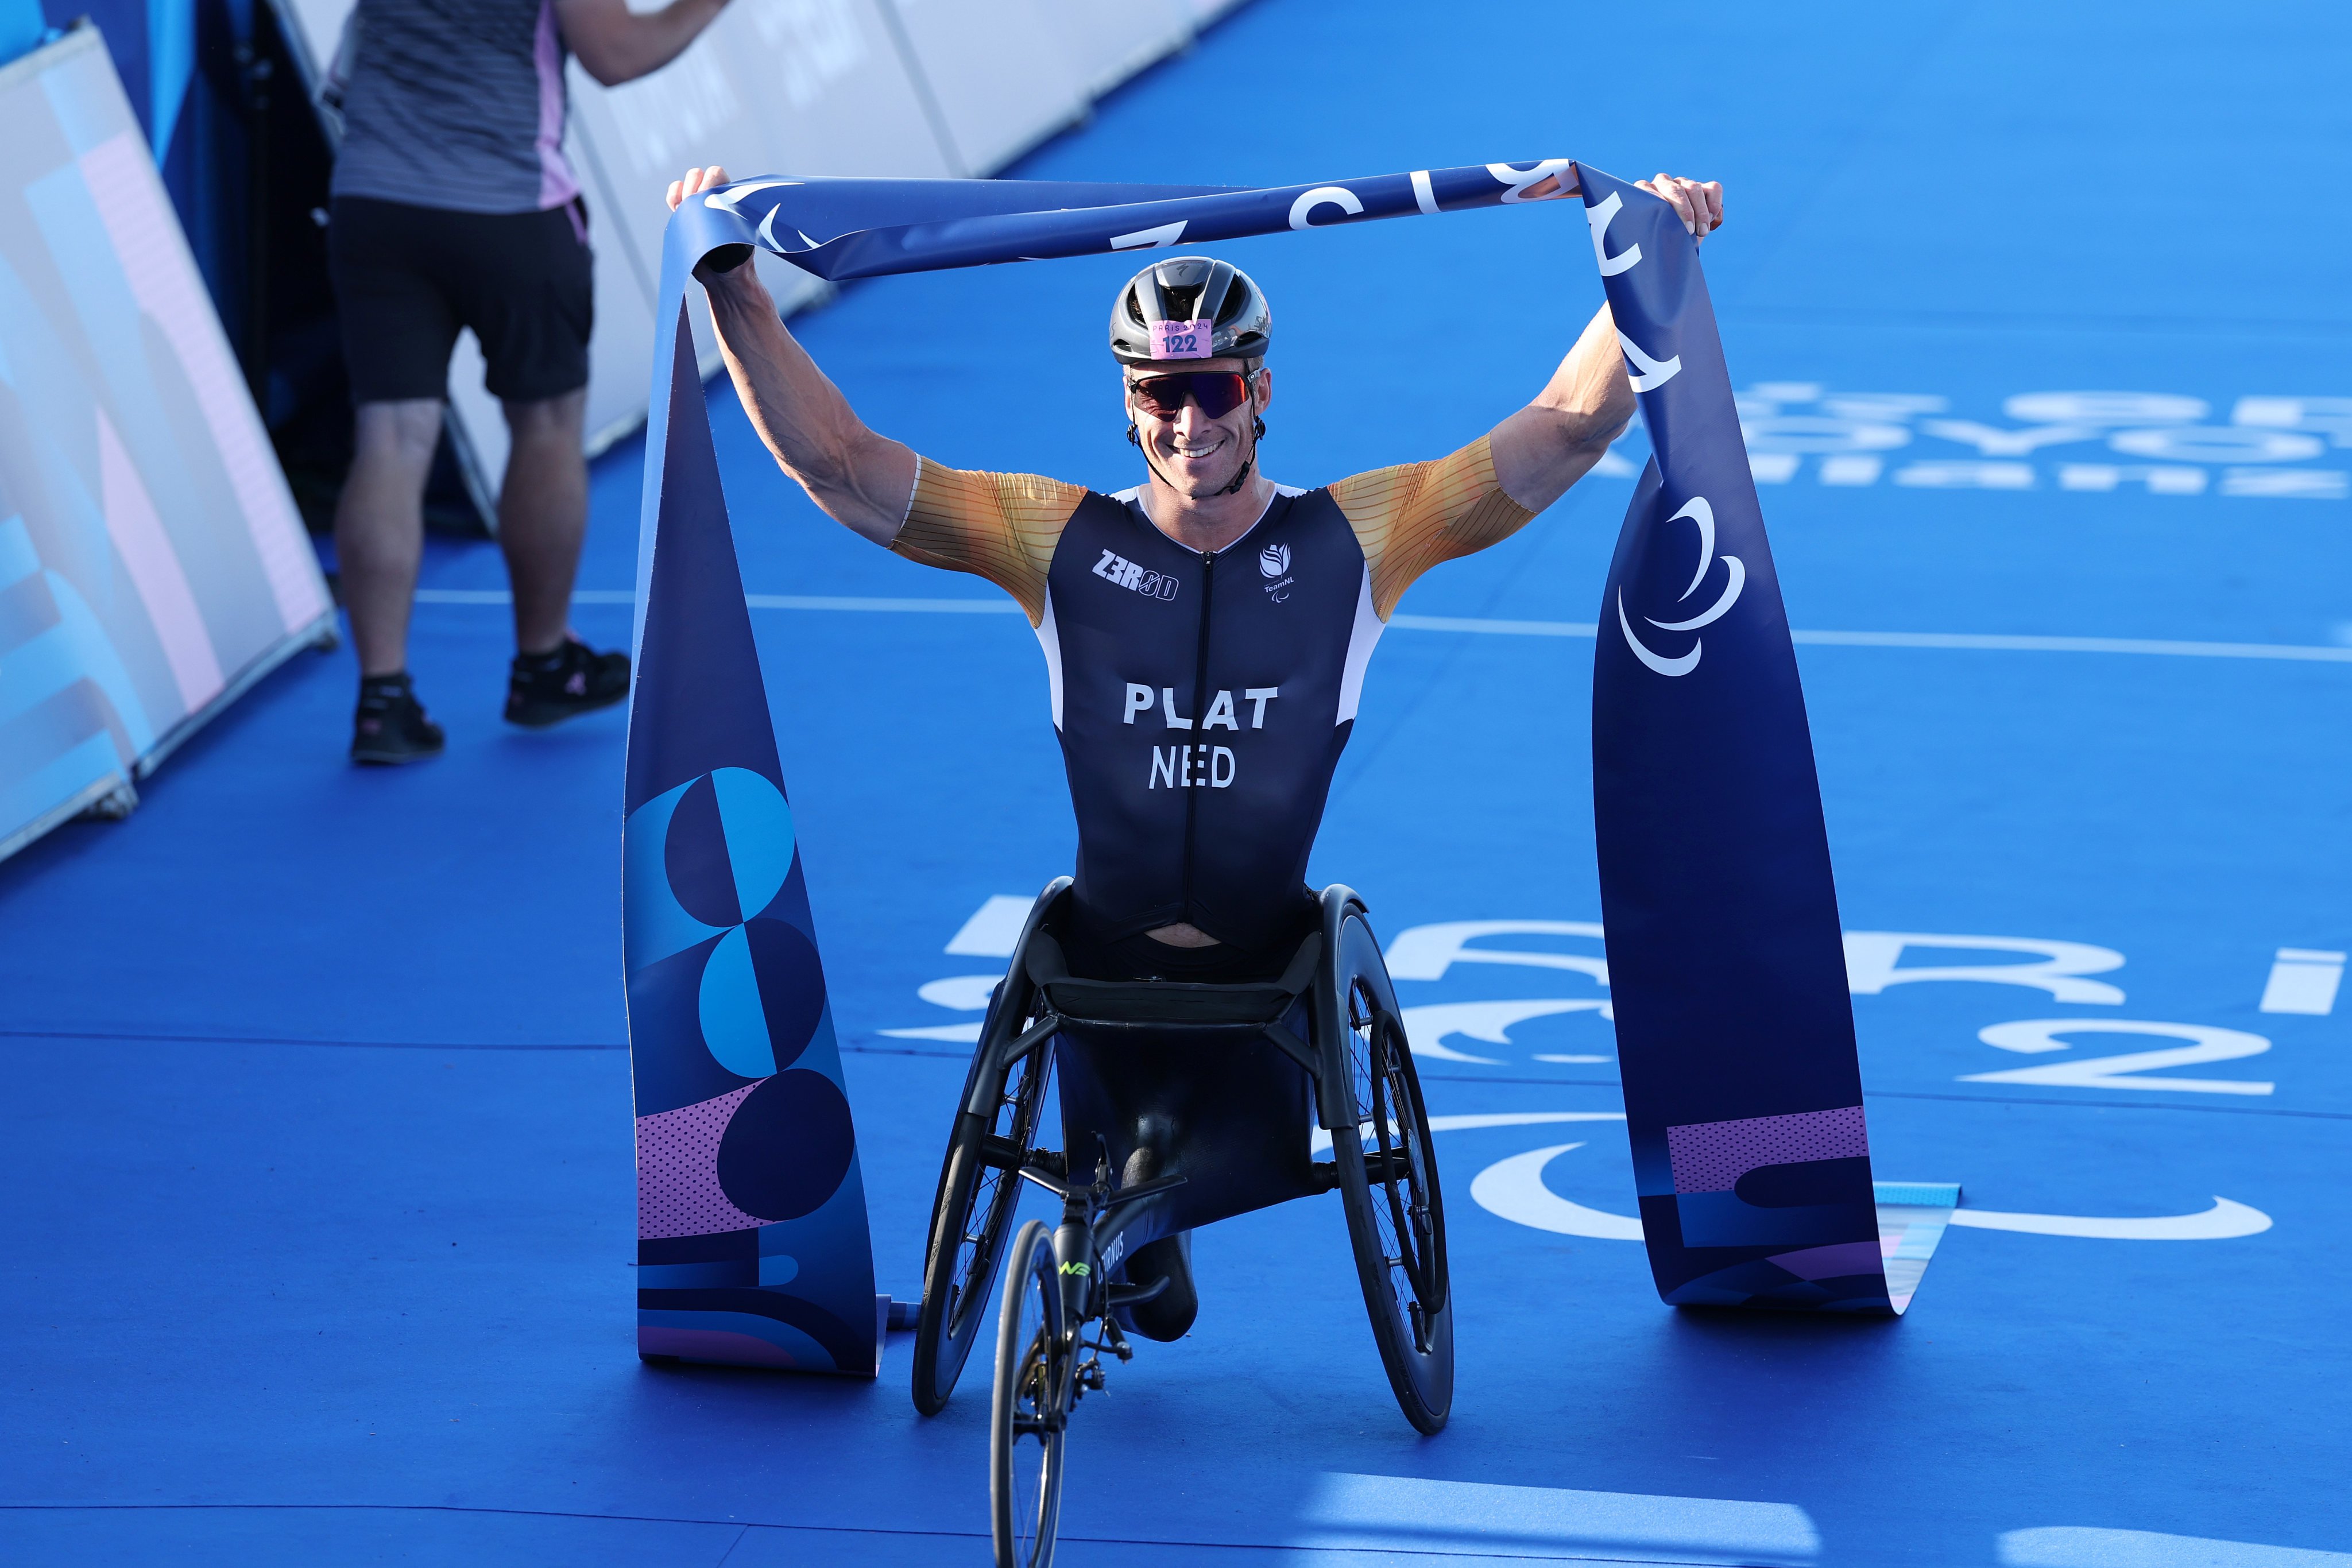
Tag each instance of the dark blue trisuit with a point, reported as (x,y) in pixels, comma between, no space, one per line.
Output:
(1202,701)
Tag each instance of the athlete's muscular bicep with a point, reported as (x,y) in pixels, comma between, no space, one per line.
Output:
(1410,517)
(1002,527)
(1553,441)
(861,479)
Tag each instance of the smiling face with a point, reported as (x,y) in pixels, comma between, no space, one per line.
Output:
(1194,453)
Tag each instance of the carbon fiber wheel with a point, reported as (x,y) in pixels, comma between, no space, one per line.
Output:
(1388,1183)
(977,1192)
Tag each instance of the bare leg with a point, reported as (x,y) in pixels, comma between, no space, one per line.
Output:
(380,526)
(542,516)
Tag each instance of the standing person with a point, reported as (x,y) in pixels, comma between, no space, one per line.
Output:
(453,207)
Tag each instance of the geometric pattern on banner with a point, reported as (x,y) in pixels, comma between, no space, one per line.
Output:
(1714,1155)
(1735,1024)
(677,1170)
(753,1248)
(1727,971)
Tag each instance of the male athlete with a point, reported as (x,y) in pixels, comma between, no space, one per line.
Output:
(1205,632)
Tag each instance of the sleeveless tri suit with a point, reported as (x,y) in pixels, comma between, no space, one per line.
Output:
(1202,700)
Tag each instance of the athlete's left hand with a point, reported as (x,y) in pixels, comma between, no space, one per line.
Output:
(1699,203)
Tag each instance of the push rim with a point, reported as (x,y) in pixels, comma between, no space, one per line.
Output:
(979,1191)
(996,1188)
(1393,1130)
(1388,1177)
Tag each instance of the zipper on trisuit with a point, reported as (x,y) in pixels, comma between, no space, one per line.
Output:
(1199,688)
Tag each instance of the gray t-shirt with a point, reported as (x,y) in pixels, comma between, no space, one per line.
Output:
(455,104)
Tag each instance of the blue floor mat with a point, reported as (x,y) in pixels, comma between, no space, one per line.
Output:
(318,1109)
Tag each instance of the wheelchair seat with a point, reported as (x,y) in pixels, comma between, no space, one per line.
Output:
(1124,1004)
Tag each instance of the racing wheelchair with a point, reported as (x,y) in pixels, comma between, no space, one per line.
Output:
(1182,1103)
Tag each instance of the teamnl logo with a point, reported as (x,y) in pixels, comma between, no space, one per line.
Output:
(1117,567)
(1273,565)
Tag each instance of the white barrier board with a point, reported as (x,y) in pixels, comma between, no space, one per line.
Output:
(1110,40)
(1001,74)
(152,561)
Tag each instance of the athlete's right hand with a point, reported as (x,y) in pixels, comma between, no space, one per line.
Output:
(696,181)
(1699,203)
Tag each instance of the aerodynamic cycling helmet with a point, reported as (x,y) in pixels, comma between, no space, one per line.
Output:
(1157,316)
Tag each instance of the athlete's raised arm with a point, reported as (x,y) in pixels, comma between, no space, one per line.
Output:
(861,479)
(1551,443)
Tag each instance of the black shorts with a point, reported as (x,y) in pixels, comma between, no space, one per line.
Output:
(407,278)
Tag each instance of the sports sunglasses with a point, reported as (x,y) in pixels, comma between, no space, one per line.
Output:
(1218,392)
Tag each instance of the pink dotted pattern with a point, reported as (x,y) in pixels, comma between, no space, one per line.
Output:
(677,1170)
(1711,1157)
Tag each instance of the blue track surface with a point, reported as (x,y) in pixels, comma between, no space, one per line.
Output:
(317,1119)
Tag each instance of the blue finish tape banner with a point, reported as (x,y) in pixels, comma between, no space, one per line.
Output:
(753,1242)
(1735,1029)
(1743,1091)
(841,229)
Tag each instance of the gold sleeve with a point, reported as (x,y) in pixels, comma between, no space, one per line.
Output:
(1410,517)
(1002,527)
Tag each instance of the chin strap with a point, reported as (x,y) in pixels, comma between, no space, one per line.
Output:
(1257,433)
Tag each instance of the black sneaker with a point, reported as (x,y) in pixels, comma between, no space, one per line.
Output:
(548,688)
(390,726)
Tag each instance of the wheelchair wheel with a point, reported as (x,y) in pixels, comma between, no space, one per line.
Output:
(1033,1360)
(1388,1181)
(977,1192)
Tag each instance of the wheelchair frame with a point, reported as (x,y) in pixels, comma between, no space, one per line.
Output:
(1057,1284)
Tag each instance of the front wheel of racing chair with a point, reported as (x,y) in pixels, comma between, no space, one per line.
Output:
(1387,1170)
(979,1186)
(1026,1426)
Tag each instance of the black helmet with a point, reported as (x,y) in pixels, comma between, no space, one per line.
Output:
(1181,290)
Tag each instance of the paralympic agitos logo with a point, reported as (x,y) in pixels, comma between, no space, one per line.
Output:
(1700,513)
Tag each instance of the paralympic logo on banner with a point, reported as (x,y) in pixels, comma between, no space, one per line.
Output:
(1698,512)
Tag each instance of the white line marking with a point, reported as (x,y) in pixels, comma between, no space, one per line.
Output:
(958,1033)
(934,606)
(1425,1028)
(1339,1511)
(2166,648)
(756,601)
(1514,1189)
(1320,1142)
(2303,980)
(1493,628)
(2091,1546)
(993,929)
(2218,1223)
(1971,642)
(960,993)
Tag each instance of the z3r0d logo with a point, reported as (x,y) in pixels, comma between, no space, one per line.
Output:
(1700,513)
(1115,568)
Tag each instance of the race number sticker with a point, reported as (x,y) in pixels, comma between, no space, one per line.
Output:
(1182,340)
